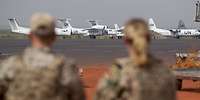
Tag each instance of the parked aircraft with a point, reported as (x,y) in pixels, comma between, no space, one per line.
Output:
(96,29)
(16,28)
(186,33)
(74,31)
(152,27)
(163,32)
(25,30)
(177,33)
(182,31)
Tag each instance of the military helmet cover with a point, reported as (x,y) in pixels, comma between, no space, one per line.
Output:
(42,24)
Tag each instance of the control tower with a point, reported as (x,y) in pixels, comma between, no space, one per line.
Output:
(197,15)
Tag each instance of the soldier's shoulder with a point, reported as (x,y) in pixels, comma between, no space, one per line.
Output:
(64,58)
(10,60)
(160,66)
(69,63)
(157,63)
(8,66)
(121,62)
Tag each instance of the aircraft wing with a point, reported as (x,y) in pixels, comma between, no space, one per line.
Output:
(16,28)
(22,30)
(62,32)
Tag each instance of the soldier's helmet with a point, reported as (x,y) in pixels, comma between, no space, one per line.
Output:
(42,24)
(137,36)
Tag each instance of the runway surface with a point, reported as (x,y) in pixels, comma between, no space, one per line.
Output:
(90,52)
(97,55)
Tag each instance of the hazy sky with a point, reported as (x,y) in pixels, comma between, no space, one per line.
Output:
(166,13)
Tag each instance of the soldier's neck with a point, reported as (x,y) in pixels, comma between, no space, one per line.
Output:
(39,45)
(138,60)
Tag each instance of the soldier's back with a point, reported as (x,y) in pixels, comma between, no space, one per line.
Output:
(37,74)
(151,82)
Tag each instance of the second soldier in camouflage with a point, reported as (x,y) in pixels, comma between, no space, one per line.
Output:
(139,76)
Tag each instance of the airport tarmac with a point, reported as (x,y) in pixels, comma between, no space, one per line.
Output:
(92,75)
(92,52)
(97,55)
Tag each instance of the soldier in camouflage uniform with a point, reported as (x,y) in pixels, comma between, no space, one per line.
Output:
(38,73)
(139,76)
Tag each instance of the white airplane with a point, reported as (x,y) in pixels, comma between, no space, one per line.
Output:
(182,31)
(74,31)
(25,30)
(97,29)
(152,27)
(95,25)
(104,30)
(16,28)
(119,30)
(177,33)
(163,32)
(186,33)
(114,31)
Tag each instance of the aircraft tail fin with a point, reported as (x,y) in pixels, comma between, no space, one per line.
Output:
(13,24)
(116,26)
(181,25)
(65,22)
(152,24)
(93,22)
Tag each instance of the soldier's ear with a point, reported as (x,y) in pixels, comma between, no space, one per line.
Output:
(128,41)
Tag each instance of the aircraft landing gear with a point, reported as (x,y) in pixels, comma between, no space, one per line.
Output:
(92,37)
(179,84)
(119,37)
(63,37)
(178,37)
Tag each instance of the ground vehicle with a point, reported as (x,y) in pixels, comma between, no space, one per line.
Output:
(186,74)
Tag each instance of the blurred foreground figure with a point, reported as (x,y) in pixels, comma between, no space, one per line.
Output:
(139,76)
(38,73)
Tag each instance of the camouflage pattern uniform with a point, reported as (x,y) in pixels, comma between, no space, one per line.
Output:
(127,81)
(39,74)
(141,76)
